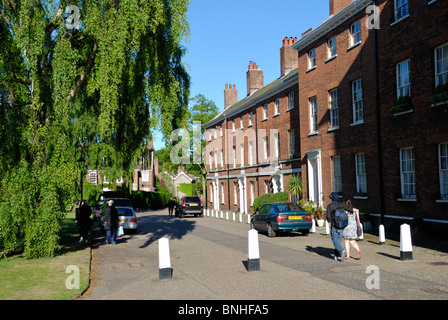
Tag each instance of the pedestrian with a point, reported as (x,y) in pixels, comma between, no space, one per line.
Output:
(350,233)
(112,223)
(83,221)
(171,204)
(336,233)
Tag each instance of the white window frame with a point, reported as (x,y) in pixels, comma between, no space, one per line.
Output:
(357,102)
(242,122)
(265,111)
(242,154)
(404,78)
(276,145)
(252,193)
(265,148)
(292,141)
(93,177)
(233,125)
(334,108)
(251,118)
(235,193)
(222,193)
(313,115)
(276,107)
(443,170)
(234,156)
(332,47)
(401,9)
(441,64)
(407,174)
(311,59)
(355,33)
(337,176)
(361,173)
(290,100)
(145,175)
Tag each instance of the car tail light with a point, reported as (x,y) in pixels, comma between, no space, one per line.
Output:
(281,218)
(133,220)
(202,204)
(183,204)
(308,217)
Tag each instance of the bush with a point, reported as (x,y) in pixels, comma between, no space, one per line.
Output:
(189,189)
(149,200)
(269,197)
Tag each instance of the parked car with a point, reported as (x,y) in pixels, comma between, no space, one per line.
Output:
(120,204)
(275,217)
(189,205)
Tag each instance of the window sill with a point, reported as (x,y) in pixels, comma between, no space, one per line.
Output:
(399,19)
(331,58)
(313,134)
(402,113)
(331,129)
(441,201)
(356,123)
(406,200)
(431,2)
(310,69)
(276,115)
(353,46)
(265,119)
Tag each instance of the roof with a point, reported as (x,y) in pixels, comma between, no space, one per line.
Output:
(271,89)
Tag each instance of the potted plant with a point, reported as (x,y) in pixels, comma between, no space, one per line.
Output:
(403,104)
(320,216)
(440,95)
(295,186)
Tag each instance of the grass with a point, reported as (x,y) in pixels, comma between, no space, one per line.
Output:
(45,278)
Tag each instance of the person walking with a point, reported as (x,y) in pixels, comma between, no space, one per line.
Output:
(111,217)
(350,233)
(83,221)
(336,233)
(171,204)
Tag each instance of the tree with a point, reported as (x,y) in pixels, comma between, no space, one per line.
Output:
(295,186)
(91,79)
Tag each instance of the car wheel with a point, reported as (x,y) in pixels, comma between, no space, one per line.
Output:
(271,232)
(305,232)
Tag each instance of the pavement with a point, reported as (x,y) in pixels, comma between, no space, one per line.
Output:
(209,260)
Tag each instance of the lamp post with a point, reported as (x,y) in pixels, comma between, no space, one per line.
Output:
(81,162)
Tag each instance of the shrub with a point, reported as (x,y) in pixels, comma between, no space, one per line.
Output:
(269,197)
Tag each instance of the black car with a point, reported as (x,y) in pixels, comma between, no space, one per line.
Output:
(190,205)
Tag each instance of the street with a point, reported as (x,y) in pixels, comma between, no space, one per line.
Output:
(209,256)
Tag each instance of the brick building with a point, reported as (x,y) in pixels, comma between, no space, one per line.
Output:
(252,145)
(371,125)
(369,119)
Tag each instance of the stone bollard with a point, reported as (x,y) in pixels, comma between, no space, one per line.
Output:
(222,213)
(165,270)
(382,236)
(361,238)
(248,218)
(313,226)
(240,217)
(227,215)
(233,215)
(405,242)
(253,251)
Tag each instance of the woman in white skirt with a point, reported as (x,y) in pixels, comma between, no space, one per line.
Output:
(351,232)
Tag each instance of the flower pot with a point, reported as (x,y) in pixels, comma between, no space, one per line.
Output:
(320,222)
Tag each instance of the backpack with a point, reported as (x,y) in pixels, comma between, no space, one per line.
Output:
(340,218)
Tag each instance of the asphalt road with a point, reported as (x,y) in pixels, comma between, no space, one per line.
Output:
(209,258)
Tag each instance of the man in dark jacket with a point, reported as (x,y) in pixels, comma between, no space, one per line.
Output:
(83,221)
(171,205)
(336,234)
(112,223)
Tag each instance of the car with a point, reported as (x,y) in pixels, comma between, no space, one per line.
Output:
(128,219)
(190,205)
(120,204)
(275,217)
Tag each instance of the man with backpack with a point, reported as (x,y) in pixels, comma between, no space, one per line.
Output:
(337,219)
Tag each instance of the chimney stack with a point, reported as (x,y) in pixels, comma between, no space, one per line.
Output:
(230,95)
(254,78)
(337,6)
(289,58)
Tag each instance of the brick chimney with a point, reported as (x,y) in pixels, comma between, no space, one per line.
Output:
(230,95)
(254,78)
(337,6)
(289,57)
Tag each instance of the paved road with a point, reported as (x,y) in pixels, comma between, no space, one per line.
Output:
(208,256)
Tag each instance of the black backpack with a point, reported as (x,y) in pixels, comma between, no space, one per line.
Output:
(340,218)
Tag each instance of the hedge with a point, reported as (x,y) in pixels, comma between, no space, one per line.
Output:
(270,197)
(149,200)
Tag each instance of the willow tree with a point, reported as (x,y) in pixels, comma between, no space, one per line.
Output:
(87,77)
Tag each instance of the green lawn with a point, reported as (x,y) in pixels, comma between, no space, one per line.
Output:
(45,278)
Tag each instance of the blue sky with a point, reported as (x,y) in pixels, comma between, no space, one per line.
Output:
(227,34)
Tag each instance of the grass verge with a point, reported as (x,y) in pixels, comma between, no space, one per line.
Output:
(45,278)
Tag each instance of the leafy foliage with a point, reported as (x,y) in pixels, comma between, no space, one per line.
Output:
(98,89)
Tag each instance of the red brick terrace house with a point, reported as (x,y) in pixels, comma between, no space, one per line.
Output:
(373,123)
(252,145)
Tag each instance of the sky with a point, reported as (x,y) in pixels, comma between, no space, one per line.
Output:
(225,35)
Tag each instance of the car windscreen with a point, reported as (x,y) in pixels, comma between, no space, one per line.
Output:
(125,212)
(288,207)
(122,203)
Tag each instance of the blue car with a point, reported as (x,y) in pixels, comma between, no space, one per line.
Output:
(275,217)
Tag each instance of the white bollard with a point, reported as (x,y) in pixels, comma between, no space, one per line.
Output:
(253,251)
(248,218)
(313,226)
(240,217)
(165,270)
(222,213)
(327,228)
(227,215)
(233,214)
(382,236)
(405,242)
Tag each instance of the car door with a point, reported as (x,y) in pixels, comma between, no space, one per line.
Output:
(263,217)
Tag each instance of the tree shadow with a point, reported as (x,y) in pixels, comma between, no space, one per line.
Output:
(164,226)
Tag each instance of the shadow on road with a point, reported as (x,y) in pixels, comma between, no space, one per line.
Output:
(164,226)
(324,252)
